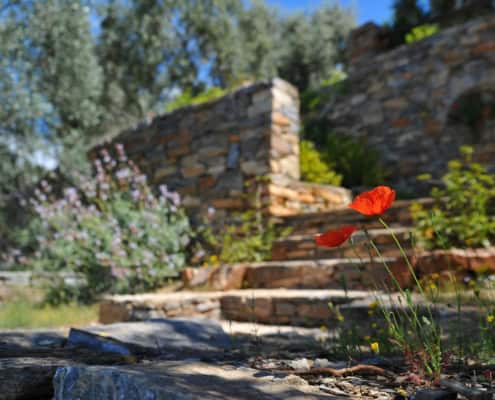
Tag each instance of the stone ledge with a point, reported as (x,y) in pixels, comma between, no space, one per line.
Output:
(293,197)
(292,274)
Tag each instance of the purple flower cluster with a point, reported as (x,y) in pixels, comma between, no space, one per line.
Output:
(111,227)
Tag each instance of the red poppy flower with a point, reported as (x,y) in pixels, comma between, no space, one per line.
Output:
(335,238)
(374,202)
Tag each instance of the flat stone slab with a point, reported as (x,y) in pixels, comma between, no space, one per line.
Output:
(33,339)
(180,381)
(159,336)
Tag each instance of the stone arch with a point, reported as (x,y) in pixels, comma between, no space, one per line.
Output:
(473,113)
(470,119)
(474,77)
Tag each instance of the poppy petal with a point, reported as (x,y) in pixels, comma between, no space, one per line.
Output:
(374,202)
(335,238)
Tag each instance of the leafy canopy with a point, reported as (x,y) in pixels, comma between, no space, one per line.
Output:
(73,72)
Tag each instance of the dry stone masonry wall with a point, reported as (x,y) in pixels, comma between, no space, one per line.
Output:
(401,100)
(210,152)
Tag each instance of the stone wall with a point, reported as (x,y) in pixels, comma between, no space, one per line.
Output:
(400,100)
(210,152)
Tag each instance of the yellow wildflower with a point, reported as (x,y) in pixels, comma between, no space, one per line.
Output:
(213,259)
(375,347)
(490,318)
(323,328)
(340,317)
(374,305)
(433,286)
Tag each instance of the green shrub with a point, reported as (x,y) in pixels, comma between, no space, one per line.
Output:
(110,229)
(314,168)
(247,237)
(355,161)
(464,211)
(186,98)
(421,32)
(313,98)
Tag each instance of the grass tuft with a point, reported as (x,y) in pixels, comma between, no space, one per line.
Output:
(23,313)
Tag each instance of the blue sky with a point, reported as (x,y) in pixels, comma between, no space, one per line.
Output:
(366,10)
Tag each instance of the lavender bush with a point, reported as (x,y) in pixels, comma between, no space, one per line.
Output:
(111,229)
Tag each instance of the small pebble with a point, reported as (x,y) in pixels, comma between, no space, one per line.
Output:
(300,365)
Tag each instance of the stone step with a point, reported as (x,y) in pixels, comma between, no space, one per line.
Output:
(352,273)
(303,247)
(280,307)
(270,306)
(312,223)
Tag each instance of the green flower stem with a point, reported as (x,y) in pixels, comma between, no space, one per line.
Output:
(404,255)
(435,329)
(413,310)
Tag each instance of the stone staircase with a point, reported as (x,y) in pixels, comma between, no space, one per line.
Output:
(294,288)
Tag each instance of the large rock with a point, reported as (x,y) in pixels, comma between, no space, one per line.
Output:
(178,380)
(28,361)
(172,336)
(27,377)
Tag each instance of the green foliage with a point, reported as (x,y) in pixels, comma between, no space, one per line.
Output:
(111,230)
(314,168)
(464,210)
(358,164)
(313,45)
(247,237)
(313,98)
(22,313)
(421,32)
(74,71)
(187,98)
(49,91)
(407,14)
(249,240)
